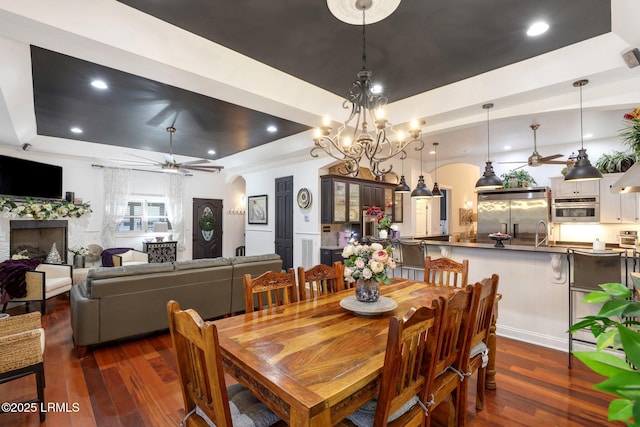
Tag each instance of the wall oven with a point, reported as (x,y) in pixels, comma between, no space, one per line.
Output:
(575,209)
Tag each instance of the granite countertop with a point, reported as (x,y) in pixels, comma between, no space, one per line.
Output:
(559,247)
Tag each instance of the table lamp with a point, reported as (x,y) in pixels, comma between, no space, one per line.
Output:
(160,227)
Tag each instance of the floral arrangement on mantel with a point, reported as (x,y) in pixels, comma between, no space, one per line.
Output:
(368,262)
(631,133)
(384,222)
(40,210)
(79,250)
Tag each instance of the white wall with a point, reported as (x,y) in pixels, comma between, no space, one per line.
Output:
(86,182)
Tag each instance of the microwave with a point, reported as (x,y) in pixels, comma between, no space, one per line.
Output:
(576,209)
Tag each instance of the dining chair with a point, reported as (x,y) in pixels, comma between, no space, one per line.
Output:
(449,379)
(270,289)
(477,351)
(320,280)
(404,373)
(207,400)
(445,271)
(22,348)
(412,254)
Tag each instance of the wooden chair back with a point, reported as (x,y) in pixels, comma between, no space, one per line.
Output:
(405,372)
(200,373)
(270,289)
(445,271)
(481,322)
(320,280)
(454,332)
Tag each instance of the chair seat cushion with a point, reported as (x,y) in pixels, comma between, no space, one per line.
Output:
(54,284)
(481,348)
(364,416)
(246,409)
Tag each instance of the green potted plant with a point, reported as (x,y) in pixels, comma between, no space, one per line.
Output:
(615,326)
(631,133)
(616,161)
(517,179)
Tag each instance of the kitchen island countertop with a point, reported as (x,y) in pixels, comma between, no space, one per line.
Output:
(554,248)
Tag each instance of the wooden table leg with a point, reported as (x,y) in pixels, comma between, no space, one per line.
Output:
(490,377)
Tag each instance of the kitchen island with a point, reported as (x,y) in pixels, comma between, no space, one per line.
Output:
(533,283)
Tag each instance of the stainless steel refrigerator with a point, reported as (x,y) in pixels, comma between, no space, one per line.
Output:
(516,212)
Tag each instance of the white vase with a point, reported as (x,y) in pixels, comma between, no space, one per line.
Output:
(382,234)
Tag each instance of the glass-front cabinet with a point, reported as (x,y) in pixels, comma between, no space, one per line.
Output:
(344,199)
(354,202)
(339,201)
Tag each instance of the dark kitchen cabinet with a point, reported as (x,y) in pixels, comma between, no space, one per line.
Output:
(340,200)
(329,256)
(344,199)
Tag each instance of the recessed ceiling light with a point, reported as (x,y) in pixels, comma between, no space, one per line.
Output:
(588,135)
(376,88)
(211,152)
(537,28)
(507,147)
(99,84)
(76,129)
(272,129)
(432,152)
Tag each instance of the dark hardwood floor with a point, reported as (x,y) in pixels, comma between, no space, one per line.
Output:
(134,383)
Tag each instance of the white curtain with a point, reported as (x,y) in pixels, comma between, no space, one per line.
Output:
(117,187)
(173,188)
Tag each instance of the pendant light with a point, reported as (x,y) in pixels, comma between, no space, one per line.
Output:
(488,180)
(402,186)
(421,191)
(436,190)
(582,170)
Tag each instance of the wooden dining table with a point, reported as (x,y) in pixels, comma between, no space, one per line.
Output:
(314,362)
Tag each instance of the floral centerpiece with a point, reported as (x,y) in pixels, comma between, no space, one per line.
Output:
(79,250)
(368,266)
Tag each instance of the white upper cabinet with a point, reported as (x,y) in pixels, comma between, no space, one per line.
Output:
(562,188)
(616,207)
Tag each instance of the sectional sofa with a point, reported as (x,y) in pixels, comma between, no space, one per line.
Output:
(123,302)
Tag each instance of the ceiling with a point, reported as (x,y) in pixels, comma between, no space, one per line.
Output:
(439,61)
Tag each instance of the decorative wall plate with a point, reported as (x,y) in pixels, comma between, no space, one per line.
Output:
(304,198)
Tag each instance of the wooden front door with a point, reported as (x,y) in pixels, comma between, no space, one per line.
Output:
(284,221)
(207,228)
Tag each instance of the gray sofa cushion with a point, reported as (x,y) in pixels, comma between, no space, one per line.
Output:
(100,273)
(201,263)
(253,258)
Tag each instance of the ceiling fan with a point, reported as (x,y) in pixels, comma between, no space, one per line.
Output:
(536,159)
(171,165)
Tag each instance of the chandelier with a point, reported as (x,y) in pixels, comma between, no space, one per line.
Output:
(366,134)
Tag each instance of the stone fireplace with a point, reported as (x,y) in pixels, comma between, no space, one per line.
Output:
(37,237)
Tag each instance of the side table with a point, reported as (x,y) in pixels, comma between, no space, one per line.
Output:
(161,251)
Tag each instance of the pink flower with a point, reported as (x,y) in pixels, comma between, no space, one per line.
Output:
(380,256)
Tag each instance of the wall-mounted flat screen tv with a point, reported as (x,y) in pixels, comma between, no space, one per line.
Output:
(26,178)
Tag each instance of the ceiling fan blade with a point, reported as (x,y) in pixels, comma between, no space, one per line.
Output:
(195,162)
(205,168)
(555,156)
(155,162)
(554,162)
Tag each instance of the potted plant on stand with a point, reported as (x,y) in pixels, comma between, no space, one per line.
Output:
(517,179)
(615,326)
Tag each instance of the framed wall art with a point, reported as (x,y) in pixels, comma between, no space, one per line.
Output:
(257,209)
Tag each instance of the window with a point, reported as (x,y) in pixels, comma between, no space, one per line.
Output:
(142,214)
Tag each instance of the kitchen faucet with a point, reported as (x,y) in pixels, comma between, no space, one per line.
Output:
(546,233)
